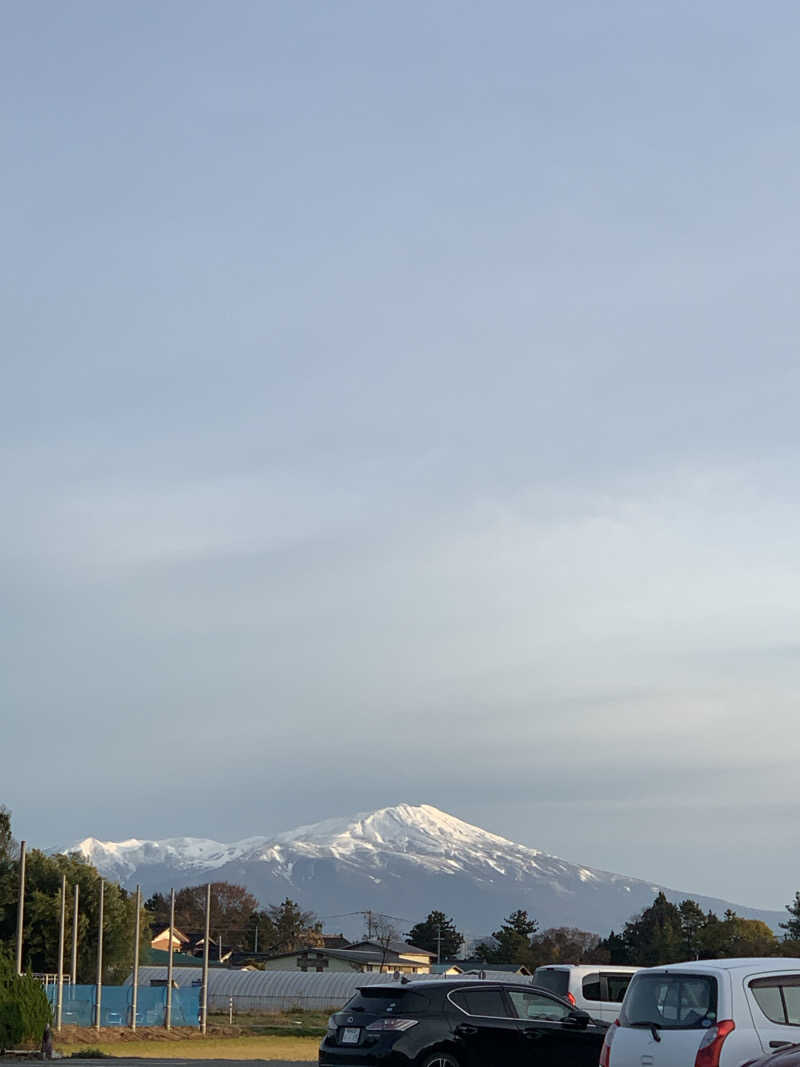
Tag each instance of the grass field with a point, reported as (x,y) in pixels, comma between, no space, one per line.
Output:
(216,1048)
(291,1036)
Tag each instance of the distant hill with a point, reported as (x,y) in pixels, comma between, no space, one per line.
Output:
(403,861)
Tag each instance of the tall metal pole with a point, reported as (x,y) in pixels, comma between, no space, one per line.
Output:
(99,986)
(204,993)
(168,1020)
(73,973)
(20,905)
(135,995)
(61,925)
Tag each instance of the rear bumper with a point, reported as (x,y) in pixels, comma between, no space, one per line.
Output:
(354,1057)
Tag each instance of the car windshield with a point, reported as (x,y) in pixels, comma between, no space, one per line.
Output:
(386,1002)
(671,1002)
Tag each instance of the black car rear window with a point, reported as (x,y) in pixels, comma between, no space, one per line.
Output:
(387,1002)
(549,978)
(671,1001)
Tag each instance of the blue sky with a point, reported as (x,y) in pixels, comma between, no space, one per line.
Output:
(400,404)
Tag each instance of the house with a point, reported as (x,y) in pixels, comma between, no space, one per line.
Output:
(162,940)
(397,951)
(446,969)
(215,950)
(335,941)
(368,960)
(474,966)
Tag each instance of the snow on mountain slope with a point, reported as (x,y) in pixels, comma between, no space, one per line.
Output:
(420,834)
(403,860)
(118,859)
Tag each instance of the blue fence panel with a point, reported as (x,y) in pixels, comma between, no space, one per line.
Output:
(151,1005)
(116,1002)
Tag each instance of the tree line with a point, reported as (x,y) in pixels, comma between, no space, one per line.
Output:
(662,933)
(236,920)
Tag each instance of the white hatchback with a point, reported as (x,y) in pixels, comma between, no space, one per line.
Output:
(711,1013)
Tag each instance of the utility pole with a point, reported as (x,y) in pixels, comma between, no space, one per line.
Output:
(438,942)
(168,1020)
(204,992)
(99,986)
(135,991)
(61,924)
(20,905)
(73,975)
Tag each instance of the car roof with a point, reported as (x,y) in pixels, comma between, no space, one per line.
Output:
(745,963)
(581,968)
(455,982)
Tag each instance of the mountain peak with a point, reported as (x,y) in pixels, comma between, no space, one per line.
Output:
(402,859)
(400,828)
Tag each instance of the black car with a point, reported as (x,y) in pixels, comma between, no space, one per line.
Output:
(784,1057)
(463,1022)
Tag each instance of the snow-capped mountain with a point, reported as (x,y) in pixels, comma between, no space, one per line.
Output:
(402,860)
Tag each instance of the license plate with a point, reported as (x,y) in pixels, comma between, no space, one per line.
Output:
(350,1035)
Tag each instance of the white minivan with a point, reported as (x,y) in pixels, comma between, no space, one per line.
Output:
(594,987)
(711,1013)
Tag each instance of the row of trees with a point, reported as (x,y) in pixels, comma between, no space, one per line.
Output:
(237,919)
(42,909)
(663,933)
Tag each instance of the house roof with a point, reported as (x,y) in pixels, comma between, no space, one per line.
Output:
(402,948)
(164,932)
(351,955)
(160,956)
(474,966)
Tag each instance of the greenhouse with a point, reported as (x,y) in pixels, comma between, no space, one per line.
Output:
(267,991)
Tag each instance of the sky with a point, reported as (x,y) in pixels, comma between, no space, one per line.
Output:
(400,404)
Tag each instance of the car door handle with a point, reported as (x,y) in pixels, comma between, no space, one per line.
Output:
(779,1044)
(532,1035)
(465,1029)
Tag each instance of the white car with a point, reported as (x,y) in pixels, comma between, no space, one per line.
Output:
(711,1013)
(596,988)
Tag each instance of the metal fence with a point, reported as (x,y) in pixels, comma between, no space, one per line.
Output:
(116,1005)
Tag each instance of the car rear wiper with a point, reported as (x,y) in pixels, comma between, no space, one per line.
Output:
(653,1027)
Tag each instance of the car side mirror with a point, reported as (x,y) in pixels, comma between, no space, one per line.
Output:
(579,1019)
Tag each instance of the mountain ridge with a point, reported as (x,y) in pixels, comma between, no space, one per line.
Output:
(401,858)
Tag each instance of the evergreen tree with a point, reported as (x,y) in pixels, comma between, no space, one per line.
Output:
(292,927)
(513,941)
(792,926)
(427,934)
(616,949)
(655,936)
(692,920)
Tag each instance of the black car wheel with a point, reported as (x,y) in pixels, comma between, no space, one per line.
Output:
(440,1059)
